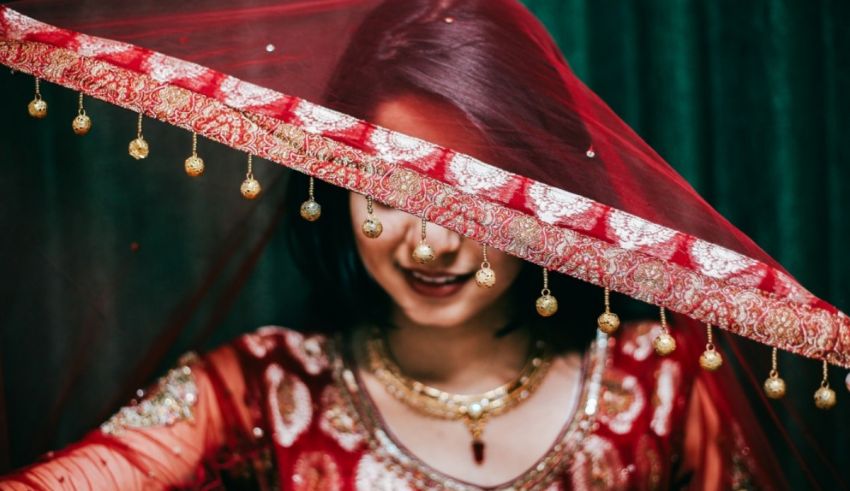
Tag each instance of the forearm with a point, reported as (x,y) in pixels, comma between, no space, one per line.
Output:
(93,464)
(158,443)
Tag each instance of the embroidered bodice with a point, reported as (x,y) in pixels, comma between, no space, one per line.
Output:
(288,411)
(624,432)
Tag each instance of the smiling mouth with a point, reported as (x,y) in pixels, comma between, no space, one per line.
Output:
(435,284)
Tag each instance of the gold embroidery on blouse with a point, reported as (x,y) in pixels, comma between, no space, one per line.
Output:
(170,401)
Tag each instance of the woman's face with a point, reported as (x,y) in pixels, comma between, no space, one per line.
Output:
(442,293)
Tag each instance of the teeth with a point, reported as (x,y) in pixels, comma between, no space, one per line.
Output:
(434,280)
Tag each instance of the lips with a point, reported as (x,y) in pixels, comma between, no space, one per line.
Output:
(435,284)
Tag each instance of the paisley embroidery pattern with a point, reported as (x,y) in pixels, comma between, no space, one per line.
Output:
(613,442)
(19,26)
(717,262)
(637,342)
(310,351)
(289,404)
(258,343)
(634,233)
(315,471)
(243,95)
(597,465)
(621,402)
(95,46)
(554,204)
(318,119)
(336,422)
(165,68)
(397,147)
(473,176)
(667,380)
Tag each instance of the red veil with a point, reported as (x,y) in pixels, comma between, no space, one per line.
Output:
(571,187)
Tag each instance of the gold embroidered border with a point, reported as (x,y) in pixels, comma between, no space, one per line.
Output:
(764,317)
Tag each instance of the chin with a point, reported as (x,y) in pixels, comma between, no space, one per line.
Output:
(444,313)
(447,318)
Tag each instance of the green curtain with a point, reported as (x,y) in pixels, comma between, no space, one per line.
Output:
(749,102)
(746,99)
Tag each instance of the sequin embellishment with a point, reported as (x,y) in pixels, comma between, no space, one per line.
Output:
(169,402)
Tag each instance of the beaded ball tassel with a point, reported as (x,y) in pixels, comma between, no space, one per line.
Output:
(608,322)
(825,397)
(139,148)
(423,253)
(194,165)
(485,277)
(250,187)
(546,304)
(664,343)
(81,124)
(311,210)
(774,385)
(372,226)
(710,359)
(37,107)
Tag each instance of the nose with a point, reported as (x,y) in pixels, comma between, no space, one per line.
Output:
(443,241)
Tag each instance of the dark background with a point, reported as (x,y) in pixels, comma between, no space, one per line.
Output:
(111,267)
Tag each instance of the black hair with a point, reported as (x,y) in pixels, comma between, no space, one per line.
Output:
(408,47)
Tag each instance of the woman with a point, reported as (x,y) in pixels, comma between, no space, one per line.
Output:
(375,398)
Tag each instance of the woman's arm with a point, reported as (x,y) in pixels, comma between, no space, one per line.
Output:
(159,442)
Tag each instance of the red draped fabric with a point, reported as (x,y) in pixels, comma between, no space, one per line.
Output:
(569,186)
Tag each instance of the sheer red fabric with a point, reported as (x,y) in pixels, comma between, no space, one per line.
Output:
(569,186)
(599,199)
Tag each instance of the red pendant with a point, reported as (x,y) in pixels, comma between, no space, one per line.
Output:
(478,451)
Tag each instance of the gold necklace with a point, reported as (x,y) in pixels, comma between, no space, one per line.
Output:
(473,409)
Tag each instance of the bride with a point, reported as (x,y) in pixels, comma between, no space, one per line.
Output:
(433,361)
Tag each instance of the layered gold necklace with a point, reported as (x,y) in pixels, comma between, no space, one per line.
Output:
(475,410)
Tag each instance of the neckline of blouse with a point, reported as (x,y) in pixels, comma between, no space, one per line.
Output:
(406,465)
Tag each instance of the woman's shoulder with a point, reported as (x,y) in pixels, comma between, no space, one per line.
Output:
(642,391)
(289,383)
(307,354)
(633,347)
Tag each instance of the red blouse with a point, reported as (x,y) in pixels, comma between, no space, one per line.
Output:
(283,410)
